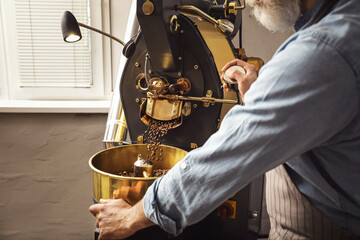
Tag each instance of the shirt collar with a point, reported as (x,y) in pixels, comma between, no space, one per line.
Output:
(308,15)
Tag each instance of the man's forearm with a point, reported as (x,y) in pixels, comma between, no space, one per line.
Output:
(140,221)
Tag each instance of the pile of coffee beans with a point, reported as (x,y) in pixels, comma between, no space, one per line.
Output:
(160,172)
(156,173)
(127,173)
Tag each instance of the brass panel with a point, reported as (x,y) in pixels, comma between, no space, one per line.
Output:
(107,163)
(163,109)
(257,62)
(222,52)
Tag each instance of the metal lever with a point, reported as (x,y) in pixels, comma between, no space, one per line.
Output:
(188,98)
(233,7)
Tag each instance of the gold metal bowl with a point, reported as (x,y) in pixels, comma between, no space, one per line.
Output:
(106,165)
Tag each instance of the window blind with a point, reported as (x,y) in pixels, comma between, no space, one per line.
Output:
(44,59)
(2,59)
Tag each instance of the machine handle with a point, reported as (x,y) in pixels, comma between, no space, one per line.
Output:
(231,84)
(189,98)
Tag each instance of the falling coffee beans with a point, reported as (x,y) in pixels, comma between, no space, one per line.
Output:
(155,135)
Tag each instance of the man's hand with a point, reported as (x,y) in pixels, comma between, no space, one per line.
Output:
(244,81)
(116,219)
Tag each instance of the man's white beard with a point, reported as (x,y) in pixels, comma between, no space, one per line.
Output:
(276,15)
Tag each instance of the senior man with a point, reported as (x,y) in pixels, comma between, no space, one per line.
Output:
(300,124)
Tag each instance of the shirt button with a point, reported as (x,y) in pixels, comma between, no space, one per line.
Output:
(183,165)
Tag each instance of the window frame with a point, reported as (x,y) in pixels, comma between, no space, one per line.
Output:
(98,102)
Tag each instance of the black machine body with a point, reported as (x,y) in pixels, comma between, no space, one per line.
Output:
(197,65)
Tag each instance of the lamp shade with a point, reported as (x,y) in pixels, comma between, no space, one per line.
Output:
(70,28)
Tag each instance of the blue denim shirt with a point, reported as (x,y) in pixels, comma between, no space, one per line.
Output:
(303,111)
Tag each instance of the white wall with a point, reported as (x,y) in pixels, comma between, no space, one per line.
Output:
(259,42)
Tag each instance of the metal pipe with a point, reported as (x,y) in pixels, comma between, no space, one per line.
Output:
(102,32)
(116,127)
(224,26)
(199,12)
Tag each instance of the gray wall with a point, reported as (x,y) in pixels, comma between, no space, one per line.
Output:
(45,181)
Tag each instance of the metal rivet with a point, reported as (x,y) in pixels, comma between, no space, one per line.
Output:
(180,58)
(195,105)
(184,165)
(137,64)
(254,215)
(137,100)
(148,7)
(179,74)
(149,71)
(196,67)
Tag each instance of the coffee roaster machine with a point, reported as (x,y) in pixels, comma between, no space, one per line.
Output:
(172,73)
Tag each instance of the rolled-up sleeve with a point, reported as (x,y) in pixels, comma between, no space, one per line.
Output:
(301,99)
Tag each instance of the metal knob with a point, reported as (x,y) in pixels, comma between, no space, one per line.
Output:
(225,211)
(182,87)
(158,85)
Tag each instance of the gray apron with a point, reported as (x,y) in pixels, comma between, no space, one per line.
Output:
(291,214)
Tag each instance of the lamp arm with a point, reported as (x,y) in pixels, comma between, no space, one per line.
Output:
(101,32)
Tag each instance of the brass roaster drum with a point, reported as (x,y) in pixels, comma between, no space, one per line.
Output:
(106,165)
